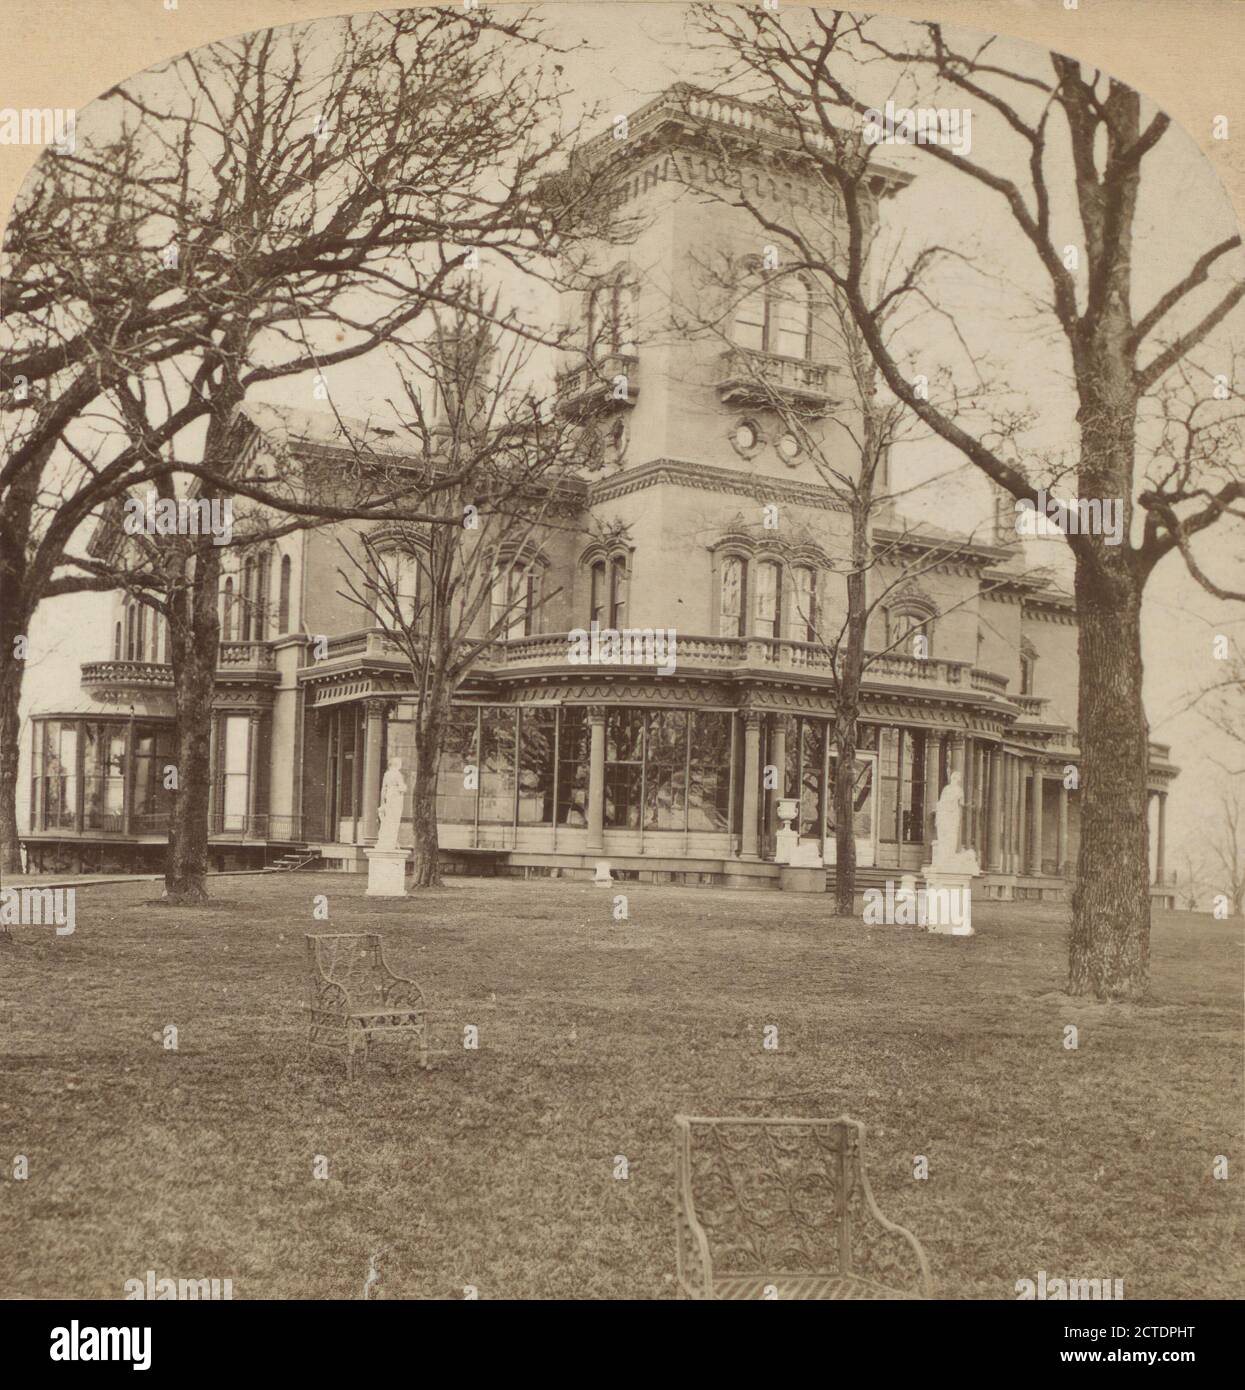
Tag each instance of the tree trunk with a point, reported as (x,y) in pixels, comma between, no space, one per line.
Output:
(1109,948)
(427,867)
(847,702)
(1109,943)
(12,671)
(194,634)
(844,811)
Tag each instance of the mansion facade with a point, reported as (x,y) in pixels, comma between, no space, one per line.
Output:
(707,517)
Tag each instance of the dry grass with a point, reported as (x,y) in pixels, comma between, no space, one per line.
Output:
(497,1169)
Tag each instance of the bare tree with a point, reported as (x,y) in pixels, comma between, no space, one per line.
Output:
(273,205)
(507,470)
(1076,138)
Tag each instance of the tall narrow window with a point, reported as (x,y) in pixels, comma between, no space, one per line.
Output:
(734,597)
(596,602)
(804,619)
(248,590)
(226,616)
(791,319)
(512,608)
(1028,670)
(749,329)
(769,599)
(398,584)
(283,603)
(116,643)
(618,592)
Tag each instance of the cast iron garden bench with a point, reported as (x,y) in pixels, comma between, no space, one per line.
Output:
(355,999)
(781,1208)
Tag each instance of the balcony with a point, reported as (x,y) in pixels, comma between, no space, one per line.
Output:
(593,387)
(733,655)
(117,682)
(748,378)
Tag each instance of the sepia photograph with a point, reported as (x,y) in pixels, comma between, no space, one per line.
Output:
(622,664)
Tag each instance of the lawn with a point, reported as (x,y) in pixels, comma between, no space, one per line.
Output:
(497,1168)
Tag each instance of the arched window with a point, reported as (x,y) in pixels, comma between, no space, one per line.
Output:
(596,598)
(619,580)
(769,599)
(733,597)
(611,318)
(398,587)
(775,317)
(254,598)
(910,630)
(514,600)
(135,630)
(283,601)
(804,619)
(226,614)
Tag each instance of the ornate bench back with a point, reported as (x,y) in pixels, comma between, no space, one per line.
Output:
(353,961)
(787,1196)
(768,1194)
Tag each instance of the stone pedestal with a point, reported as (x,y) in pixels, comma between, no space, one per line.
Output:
(603,878)
(785,842)
(805,855)
(801,880)
(386,872)
(947,900)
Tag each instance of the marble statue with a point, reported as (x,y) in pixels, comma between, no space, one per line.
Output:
(392,800)
(947,821)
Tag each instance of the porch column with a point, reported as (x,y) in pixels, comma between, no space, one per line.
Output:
(1160,851)
(1036,837)
(752,777)
(1022,833)
(373,733)
(995,851)
(253,776)
(778,751)
(1061,843)
(1012,779)
(213,756)
(932,745)
(955,763)
(596,779)
(778,756)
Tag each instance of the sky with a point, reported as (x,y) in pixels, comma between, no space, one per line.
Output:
(619,56)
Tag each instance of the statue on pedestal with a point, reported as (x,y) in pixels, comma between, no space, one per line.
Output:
(947,822)
(392,801)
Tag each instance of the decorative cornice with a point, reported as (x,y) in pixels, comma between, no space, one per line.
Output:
(708,478)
